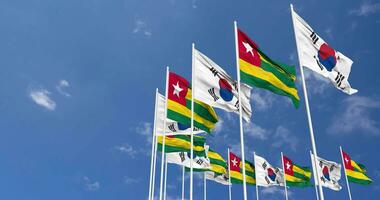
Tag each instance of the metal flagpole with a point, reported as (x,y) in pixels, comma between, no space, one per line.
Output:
(163,134)
(240,112)
(283,168)
(154,165)
(204,186)
(229,176)
(315,177)
(183,182)
(257,187)
(152,154)
(344,167)
(166,177)
(307,110)
(192,120)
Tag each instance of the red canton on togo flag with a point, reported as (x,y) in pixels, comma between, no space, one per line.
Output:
(247,49)
(234,162)
(177,88)
(288,170)
(315,54)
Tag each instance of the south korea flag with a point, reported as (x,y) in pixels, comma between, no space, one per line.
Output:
(266,174)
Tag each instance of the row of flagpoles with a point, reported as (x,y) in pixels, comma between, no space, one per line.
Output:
(191,104)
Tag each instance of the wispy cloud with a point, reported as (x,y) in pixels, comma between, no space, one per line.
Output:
(62,85)
(366,8)
(262,100)
(127,149)
(142,28)
(41,97)
(256,131)
(355,114)
(329,33)
(130,180)
(316,84)
(145,129)
(271,191)
(283,137)
(91,185)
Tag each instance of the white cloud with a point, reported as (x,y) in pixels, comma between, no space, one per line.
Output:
(278,191)
(316,84)
(91,185)
(127,149)
(355,114)
(283,137)
(62,84)
(219,126)
(145,129)
(256,131)
(41,97)
(262,100)
(130,180)
(329,33)
(141,27)
(366,8)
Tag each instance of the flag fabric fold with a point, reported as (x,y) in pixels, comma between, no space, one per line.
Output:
(257,69)
(356,173)
(315,54)
(179,105)
(216,88)
(329,173)
(236,171)
(295,175)
(182,143)
(184,159)
(266,174)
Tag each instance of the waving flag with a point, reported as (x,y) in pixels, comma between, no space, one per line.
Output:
(216,88)
(257,69)
(329,173)
(315,54)
(172,127)
(184,159)
(295,175)
(182,143)
(179,105)
(355,172)
(266,174)
(236,171)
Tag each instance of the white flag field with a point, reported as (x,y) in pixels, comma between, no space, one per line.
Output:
(172,127)
(328,172)
(266,174)
(315,54)
(216,88)
(183,158)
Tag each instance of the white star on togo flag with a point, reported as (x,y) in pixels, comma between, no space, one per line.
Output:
(288,165)
(346,159)
(248,48)
(177,89)
(234,162)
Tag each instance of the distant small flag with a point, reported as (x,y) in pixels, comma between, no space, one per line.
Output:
(266,174)
(329,173)
(182,143)
(295,175)
(315,54)
(179,105)
(257,69)
(236,171)
(356,173)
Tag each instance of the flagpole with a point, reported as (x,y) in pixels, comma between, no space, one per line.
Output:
(283,168)
(166,177)
(308,111)
(344,167)
(192,120)
(154,164)
(204,186)
(229,176)
(257,187)
(240,112)
(152,154)
(183,182)
(163,134)
(314,177)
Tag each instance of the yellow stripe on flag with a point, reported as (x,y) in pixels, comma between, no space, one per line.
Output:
(355,165)
(301,171)
(357,175)
(266,76)
(239,176)
(175,142)
(293,178)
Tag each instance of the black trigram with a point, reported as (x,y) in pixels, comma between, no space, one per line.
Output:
(237,105)
(211,91)
(267,180)
(182,156)
(172,128)
(214,71)
(314,37)
(199,162)
(264,165)
(339,79)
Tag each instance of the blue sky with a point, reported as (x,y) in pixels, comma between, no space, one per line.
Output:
(78,78)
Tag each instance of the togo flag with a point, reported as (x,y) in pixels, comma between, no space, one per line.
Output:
(266,174)
(328,172)
(184,159)
(172,127)
(216,88)
(315,54)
